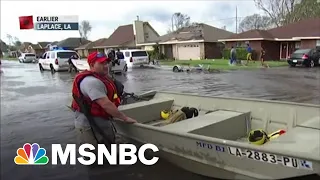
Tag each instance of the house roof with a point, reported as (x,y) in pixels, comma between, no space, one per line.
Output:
(4,46)
(90,45)
(72,42)
(255,33)
(35,46)
(123,34)
(305,28)
(44,44)
(289,31)
(85,46)
(198,31)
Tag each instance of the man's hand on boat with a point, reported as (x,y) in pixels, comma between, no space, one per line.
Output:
(111,109)
(130,120)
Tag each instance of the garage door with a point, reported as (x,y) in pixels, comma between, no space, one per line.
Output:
(189,51)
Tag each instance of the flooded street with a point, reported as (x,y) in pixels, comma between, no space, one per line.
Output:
(33,109)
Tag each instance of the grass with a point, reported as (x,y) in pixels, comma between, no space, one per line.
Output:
(222,64)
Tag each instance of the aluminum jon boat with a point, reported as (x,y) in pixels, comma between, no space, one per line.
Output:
(214,144)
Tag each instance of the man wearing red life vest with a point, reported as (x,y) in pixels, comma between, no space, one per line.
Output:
(95,89)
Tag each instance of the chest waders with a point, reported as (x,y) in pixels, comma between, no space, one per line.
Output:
(85,109)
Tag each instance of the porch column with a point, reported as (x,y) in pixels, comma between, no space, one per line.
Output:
(280,51)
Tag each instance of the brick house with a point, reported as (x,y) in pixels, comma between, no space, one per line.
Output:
(198,41)
(279,42)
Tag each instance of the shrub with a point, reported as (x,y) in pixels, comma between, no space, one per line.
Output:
(241,53)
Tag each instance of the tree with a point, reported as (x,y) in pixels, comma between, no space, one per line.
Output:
(179,20)
(10,39)
(303,10)
(277,10)
(84,29)
(254,21)
(13,42)
(16,42)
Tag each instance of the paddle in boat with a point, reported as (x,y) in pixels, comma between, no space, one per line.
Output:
(228,138)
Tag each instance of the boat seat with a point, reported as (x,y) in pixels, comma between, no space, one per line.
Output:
(311,123)
(214,124)
(298,139)
(145,111)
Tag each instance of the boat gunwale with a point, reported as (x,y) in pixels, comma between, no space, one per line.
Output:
(225,142)
(241,98)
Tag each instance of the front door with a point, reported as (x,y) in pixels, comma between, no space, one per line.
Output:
(284,50)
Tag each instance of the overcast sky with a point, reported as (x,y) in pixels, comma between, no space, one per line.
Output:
(106,16)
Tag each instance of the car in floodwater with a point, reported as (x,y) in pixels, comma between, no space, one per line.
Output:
(136,57)
(27,58)
(304,57)
(56,60)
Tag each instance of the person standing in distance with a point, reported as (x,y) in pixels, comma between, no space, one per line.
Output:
(249,54)
(95,103)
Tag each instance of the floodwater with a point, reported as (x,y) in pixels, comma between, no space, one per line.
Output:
(33,109)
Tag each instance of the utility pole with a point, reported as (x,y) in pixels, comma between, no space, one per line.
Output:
(236,20)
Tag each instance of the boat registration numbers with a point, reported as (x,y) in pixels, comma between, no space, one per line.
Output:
(270,158)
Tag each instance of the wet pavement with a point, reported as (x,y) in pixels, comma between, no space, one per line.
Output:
(33,109)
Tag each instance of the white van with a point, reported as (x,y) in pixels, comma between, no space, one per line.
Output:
(135,57)
(56,60)
(27,58)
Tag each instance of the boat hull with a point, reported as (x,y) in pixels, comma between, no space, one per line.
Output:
(211,144)
(185,153)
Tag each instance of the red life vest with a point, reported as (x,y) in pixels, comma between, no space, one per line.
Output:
(96,110)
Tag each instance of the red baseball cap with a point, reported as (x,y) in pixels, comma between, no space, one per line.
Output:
(97,57)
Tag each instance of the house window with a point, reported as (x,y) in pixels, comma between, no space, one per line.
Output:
(318,43)
(297,45)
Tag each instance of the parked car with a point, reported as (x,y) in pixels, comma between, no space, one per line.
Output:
(27,58)
(135,57)
(305,57)
(56,60)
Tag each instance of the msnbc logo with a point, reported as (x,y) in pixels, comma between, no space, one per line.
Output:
(31,155)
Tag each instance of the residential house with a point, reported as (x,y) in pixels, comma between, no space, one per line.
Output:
(198,41)
(28,47)
(4,48)
(51,45)
(86,49)
(279,42)
(128,36)
(72,43)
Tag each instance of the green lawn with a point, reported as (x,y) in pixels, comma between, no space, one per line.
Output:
(222,64)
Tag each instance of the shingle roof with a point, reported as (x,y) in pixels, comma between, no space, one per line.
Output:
(72,42)
(196,32)
(4,46)
(120,36)
(255,33)
(304,28)
(90,45)
(43,44)
(35,46)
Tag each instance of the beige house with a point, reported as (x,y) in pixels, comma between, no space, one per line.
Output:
(124,37)
(198,41)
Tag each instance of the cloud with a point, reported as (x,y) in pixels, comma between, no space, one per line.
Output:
(106,16)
